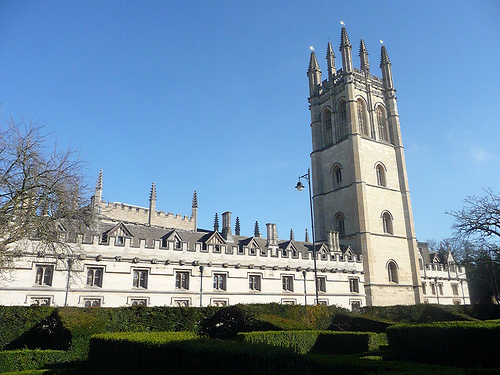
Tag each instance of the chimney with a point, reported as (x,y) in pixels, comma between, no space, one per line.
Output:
(272,235)
(226,226)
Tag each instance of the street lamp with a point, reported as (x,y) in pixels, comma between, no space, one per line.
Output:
(300,186)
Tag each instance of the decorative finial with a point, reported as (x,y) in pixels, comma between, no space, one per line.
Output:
(307,236)
(237,226)
(98,186)
(195,200)
(292,238)
(311,48)
(216,223)
(342,23)
(384,57)
(152,195)
(381,41)
(256,231)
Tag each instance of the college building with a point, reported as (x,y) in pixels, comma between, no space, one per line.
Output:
(364,238)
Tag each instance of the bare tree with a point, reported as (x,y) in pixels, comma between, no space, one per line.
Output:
(477,228)
(42,192)
(479,219)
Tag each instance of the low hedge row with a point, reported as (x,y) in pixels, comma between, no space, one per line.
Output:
(132,354)
(320,342)
(27,359)
(136,355)
(422,313)
(453,343)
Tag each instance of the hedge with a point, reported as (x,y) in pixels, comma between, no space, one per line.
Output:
(454,343)
(320,342)
(27,359)
(422,313)
(111,354)
(132,354)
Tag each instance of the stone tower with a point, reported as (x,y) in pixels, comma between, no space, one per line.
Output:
(360,187)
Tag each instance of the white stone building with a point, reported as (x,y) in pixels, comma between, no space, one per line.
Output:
(367,251)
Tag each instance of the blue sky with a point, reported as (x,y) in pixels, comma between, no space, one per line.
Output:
(212,96)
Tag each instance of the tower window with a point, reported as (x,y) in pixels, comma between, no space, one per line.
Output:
(392,270)
(338,224)
(380,175)
(387,223)
(337,177)
(382,124)
(342,131)
(362,123)
(327,123)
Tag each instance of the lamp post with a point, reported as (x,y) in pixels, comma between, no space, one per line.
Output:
(70,265)
(300,186)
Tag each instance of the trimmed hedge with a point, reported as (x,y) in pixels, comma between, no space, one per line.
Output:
(136,355)
(17,320)
(22,360)
(422,313)
(453,343)
(320,342)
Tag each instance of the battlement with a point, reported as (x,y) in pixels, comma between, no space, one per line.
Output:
(116,211)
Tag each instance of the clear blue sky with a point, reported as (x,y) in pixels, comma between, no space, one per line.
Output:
(212,96)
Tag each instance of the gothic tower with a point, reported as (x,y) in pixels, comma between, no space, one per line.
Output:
(360,187)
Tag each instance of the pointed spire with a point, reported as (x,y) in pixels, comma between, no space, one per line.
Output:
(256,230)
(384,57)
(314,75)
(237,228)
(98,185)
(363,56)
(345,49)
(307,236)
(216,223)
(330,59)
(313,64)
(292,238)
(344,39)
(195,200)
(152,195)
(385,65)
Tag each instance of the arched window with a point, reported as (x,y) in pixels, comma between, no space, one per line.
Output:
(380,175)
(362,123)
(392,272)
(382,124)
(387,222)
(338,224)
(342,131)
(337,177)
(327,126)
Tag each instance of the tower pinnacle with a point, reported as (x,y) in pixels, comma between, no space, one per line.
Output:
(345,49)
(152,195)
(330,59)
(363,56)
(314,74)
(98,185)
(385,65)
(194,204)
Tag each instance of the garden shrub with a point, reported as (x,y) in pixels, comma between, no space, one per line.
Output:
(201,356)
(17,320)
(321,342)
(454,343)
(422,313)
(27,359)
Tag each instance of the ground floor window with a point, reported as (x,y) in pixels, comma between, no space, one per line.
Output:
(91,302)
(355,306)
(40,301)
(288,302)
(454,289)
(181,303)
(219,303)
(138,301)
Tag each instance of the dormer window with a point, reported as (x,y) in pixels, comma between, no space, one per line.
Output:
(120,240)
(177,244)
